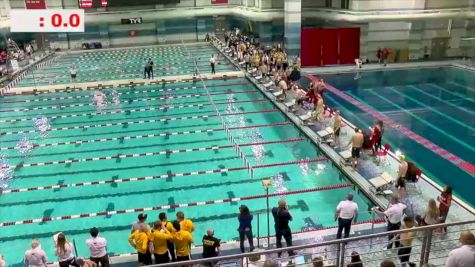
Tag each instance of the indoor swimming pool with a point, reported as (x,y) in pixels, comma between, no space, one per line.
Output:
(436,104)
(127,63)
(76,164)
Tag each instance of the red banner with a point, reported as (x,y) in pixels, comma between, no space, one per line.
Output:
(35,4)
(217,2)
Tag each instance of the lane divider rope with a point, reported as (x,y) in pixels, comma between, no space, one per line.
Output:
(163,176)
(173,206)
(128,101)
(145,121)
(121,93)
(148,154)
(130,111)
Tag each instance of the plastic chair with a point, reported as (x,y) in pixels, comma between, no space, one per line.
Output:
(382,155)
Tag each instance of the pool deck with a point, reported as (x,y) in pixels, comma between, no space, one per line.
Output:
(117,83)
(379,67)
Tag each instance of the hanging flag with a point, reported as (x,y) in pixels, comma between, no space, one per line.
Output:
(217,2)
(35,4)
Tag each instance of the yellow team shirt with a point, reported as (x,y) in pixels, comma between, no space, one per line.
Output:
(187,225)
(169,227)
(182,240)
(139,240)
(159,241)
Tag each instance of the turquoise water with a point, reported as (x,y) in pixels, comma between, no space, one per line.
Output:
(121,64)
(151,112)
(436,103)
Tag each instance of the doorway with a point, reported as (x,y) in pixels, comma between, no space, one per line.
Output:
(439,48)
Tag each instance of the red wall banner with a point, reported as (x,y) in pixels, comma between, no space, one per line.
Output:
(321,47)
(217,2)
(35,4)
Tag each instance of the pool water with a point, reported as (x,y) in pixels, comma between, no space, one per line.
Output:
(122,64)
(93,143)
(435,103)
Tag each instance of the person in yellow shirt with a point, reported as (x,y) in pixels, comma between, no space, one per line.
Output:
(182,240)
(186,224)
(139,240)
(159,238)
(169,225)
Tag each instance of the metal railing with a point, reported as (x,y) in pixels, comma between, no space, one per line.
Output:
(429,246)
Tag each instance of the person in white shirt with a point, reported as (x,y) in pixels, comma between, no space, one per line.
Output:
(346,213)
(212,62)
(98,248)
(64,251)
(393,214)
(463,256)
(35,257)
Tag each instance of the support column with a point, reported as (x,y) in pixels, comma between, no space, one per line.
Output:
(293,24)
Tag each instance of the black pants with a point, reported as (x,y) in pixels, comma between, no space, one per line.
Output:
(343,224)
(104,261)
(145,258)
(287,234)
(242,235)
(67,263)
(393,227)
(171,249)
(161,258)
(213,71)
(404,254)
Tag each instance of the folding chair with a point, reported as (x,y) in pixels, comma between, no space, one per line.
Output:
(382,155)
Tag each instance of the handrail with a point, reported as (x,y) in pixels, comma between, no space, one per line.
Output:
(428,228)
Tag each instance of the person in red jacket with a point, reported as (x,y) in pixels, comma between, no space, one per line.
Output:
(379,55)
(386,54)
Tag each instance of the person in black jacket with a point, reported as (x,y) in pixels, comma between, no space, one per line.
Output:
(282,218)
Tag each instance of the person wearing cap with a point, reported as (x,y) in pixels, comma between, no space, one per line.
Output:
(85,262)
(141,219)
(186,224)
(169,225)
(139,240)
(357,143)
(211,245)
(159,238)
(97,248)
(183,241)
(35,257)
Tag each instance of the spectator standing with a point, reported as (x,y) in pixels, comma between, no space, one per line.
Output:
(445,201)
(463,256)
(64,251)
(212,63)
(159,238)
(97,248)
(169,226)
(211,245)
(183,241)
(74,72)
(186,224)
(282,218)
(141,219)
(139,240)
(393,215)
(346,213)
(431,215)
(405,241)
(379,55)
(35,257)
(245,227)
